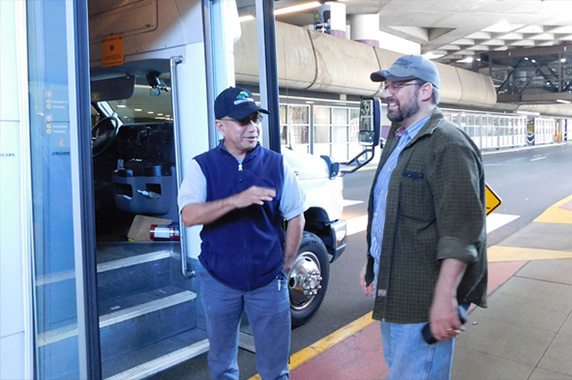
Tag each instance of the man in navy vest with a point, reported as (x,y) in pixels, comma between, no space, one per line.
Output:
(241,192)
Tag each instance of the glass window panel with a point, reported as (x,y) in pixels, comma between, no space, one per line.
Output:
(55,308)
(339,116)
(354,114)
(143,106)
(298,114)
(283,109)
(321,134)
(354,125)
(284,135)
(299,134)
(340,134)
(321,115)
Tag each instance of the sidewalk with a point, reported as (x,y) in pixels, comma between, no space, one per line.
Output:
(525,333)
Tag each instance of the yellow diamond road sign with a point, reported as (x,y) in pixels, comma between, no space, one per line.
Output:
(493,201)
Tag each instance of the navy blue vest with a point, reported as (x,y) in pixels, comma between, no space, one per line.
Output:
(243,249)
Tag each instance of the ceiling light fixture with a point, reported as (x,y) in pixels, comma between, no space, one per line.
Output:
(297,8)
(528,113)
(245,18)
(286,10)
(500,27)
(433,55)
(466,60)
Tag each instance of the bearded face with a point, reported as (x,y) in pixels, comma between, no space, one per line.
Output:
(401,108)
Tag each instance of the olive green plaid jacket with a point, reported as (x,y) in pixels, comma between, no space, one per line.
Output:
(435,210)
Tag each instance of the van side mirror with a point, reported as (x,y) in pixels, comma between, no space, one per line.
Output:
(369,132)
(369,121)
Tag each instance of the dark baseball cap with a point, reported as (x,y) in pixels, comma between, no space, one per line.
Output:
(237,103)
(409,67)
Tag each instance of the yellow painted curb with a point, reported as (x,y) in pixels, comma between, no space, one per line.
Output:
(555,214)
(323,344)
(497,254)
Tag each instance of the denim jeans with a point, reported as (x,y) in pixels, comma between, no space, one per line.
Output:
(268,311)
(409,357)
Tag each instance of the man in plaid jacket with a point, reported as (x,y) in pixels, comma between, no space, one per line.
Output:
(426,231)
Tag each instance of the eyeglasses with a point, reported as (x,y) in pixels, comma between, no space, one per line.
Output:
(254,118)
(395,87)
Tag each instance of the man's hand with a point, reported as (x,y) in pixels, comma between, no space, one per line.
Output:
(366,289)
(208,212)
(254,195)
(444,315)
(444,318)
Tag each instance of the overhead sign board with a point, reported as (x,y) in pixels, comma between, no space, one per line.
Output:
(493,201)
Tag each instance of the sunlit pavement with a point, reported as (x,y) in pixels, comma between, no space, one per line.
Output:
(525,333)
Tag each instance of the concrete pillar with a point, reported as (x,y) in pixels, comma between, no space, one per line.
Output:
(365,28)
(331,18)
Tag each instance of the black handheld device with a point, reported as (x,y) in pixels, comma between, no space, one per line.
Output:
(426,331)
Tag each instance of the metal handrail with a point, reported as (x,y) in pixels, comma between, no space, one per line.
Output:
(174,61)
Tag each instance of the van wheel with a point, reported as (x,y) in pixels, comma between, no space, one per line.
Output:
(308,279)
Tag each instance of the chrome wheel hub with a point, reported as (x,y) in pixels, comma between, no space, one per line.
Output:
(305,280)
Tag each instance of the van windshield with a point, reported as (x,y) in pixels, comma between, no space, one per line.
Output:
(135,93)
(145,105)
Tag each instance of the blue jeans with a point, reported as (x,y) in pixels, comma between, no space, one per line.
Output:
(268,311)
(409,357)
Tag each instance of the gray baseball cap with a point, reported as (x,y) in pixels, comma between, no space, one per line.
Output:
(409,67)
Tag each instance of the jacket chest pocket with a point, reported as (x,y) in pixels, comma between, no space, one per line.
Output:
(415,200)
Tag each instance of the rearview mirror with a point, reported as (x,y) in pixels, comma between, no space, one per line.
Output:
(369,133)
(369,121)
